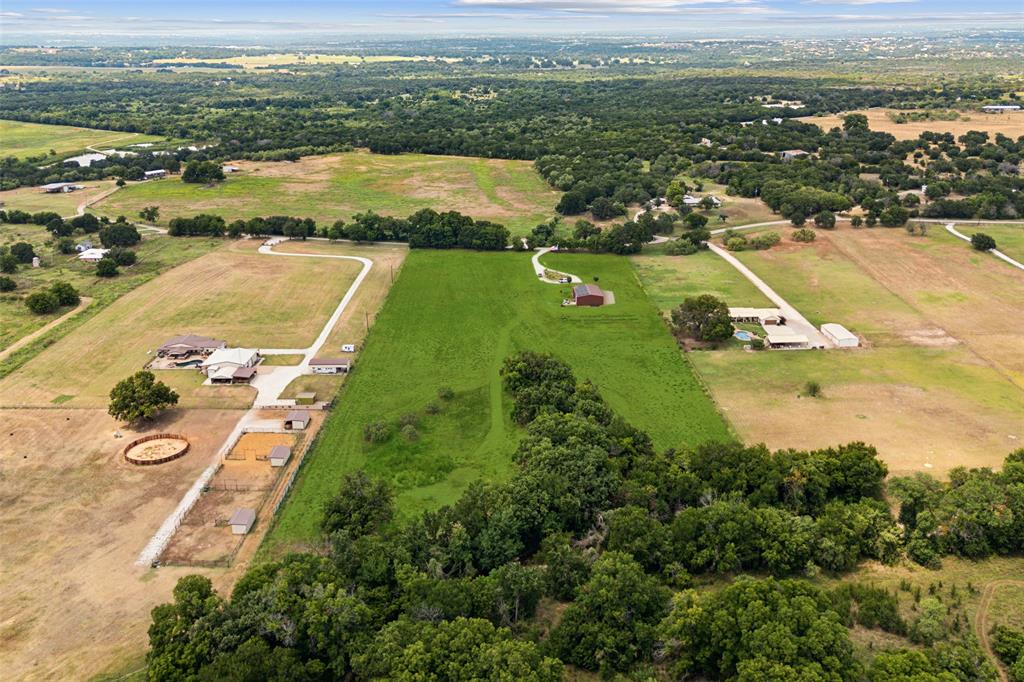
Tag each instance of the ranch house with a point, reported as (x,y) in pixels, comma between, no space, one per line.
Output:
(231,365)
(187,345)
(330,365)
(587,295)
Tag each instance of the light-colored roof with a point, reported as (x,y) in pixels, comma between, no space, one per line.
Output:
(56,185)
(280,452)
(90,254)
(838,332)
(156,172)
(331,362)
(243,517)
(298,416)
(233,356)
(784,335)
(759,313)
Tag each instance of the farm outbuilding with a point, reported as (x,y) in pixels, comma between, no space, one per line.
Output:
(296,420)
(242,520)
(223,364)
(330,365)
(154,174)
(784,338)
(279,455)
(587,295)
(840,335)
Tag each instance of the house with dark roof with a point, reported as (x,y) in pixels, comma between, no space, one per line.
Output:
(189,344)
(587,295)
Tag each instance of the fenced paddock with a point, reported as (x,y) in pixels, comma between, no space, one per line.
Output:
(156,448)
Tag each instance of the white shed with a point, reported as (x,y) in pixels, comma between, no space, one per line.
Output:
(279,455)
(296,420)
(242,520)
(840,335)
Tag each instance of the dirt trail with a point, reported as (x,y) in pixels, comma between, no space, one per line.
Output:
(981,626)
(25,340)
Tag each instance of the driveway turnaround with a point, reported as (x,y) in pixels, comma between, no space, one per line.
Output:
(542,271)
(794,320)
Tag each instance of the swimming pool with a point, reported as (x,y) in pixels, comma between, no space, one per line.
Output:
(742,335)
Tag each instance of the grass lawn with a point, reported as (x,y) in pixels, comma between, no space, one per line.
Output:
(37,139)
(155,255)
(670,279)
(329,188)
(1009,238)
(32,200)
(451,319)
(233,294)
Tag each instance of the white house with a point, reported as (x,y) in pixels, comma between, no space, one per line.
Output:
(840,335)
(93,255)
(224,363)
(689,200)
(155,174)
(242,520)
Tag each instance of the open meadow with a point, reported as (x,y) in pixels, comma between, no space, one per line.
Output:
(922,390)
(1009,238)
(34,200)
(38,139)
(155,256)
(1010,124)
(451,320)
(232,293)
(329,188)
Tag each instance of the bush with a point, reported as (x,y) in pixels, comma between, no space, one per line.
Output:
(409,419)
(736,243)
(8,263)
(7,284)
(432,408)
(445,393)
(66,245)
(765,241)
(812,389)
(982,242)
(376,432)
(107,267)
(65,293)
(122,257)
(825,220)
(681,247)
(23,251)
(410,433)
(804,235)
(894,216)
(42,302)
(856,221)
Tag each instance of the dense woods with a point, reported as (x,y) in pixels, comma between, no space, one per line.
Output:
(597,519)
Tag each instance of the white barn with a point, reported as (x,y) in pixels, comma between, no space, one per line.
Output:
(223,363)
(840,335)
(242,520)
(279,455)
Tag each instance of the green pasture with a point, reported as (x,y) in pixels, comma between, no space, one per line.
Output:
(1009,238)
(450,321)
(37,139)
(336,187)
(670,279)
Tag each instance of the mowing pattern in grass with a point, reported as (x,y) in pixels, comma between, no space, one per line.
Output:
(32,139)
(334,187)
(450,321)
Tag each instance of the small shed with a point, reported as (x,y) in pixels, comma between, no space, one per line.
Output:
(840,335)
(305,398)
(279,455)
(587,295)
(296,420)
(784,338)
(330,365)
(242,520)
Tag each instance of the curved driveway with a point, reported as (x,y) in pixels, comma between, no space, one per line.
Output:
(950,227)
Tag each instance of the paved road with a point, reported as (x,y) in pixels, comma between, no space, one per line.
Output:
(794,320)
(950,227)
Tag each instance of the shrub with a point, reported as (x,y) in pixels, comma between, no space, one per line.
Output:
(812,389)
(122,257)
(23,251)
(410,433)
(856,221)
(736,243)
(765,241)
(376,432)
(825,220)
(894,216)
(65,293)
(432,408)
(42,302)
(8,263)
(107,267)
(66,245)
(7,284)
(804,235)
(757,344)
(445,393)
(681,247)
(409,419)
(982,242)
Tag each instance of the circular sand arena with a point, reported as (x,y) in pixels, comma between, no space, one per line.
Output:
(156,449)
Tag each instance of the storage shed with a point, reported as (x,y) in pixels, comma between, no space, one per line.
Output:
(587,295)
(242,520)
(296,420)
(840,335)
(330,365)
(279,455)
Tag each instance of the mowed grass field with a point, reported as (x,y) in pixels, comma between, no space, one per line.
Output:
(450,321)
(1009,238)
(37,139)
(329,188)
(920,390)
(232,293)
(32,200)
(1010,124)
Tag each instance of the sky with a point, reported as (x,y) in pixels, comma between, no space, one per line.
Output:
(223,19)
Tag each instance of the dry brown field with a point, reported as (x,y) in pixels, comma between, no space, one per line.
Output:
(1010,124)
(76,515)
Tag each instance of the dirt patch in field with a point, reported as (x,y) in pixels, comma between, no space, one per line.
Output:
(1010,124)
(76,515)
